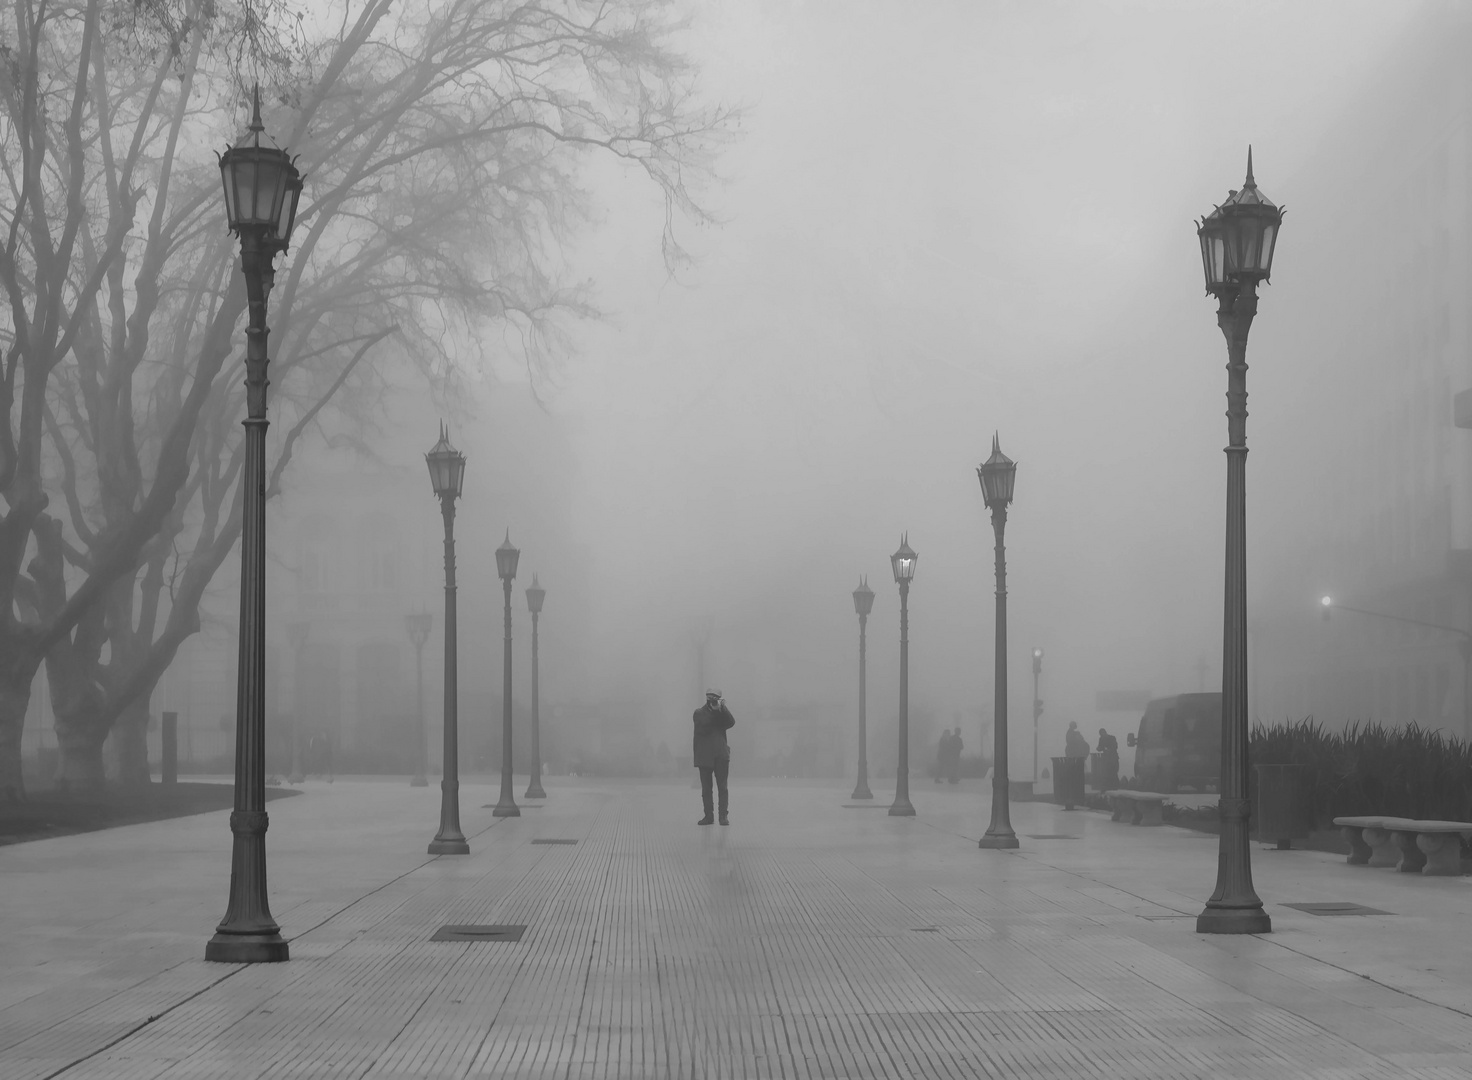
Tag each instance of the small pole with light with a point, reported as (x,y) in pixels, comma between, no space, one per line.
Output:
(903,563)
(262,186)
(998,475)
(535,594)
(418,627)
(506,559)
(1037,708)
(863,604)
(447,475)
(1237,243)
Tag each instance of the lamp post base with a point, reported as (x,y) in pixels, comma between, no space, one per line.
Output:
(999,840)
(439,846)
(534,790)
(1233,920)
(419,781)
(861,791)
(506,809)
(246,949)
(902,807)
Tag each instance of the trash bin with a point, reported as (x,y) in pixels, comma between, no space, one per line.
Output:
(1284,807)
(1068,781)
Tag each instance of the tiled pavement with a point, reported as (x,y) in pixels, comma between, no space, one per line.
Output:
(807,939)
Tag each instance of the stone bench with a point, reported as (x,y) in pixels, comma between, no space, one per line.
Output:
(1411,846)
(1143,807)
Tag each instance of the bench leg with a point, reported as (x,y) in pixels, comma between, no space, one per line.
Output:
(1119,807)
(1151,814)
(1382,848)
(1411,857)
(1443,853)
(1359,851)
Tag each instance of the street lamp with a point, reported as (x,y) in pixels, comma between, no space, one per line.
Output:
(903,563)
(506,559)
(418,627)
(997,475)
(262,186)
(1037,708)
(296,637)
(535,594)
(863,604)
(1238,239)
(447,475)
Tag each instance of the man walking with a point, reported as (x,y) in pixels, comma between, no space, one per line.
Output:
(713,754)
(953,764)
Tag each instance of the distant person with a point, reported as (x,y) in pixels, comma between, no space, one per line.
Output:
(1108,750)
(713,754)
(953,763)
(943,755)
(1074,743)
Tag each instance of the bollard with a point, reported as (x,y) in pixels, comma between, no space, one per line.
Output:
(171,748)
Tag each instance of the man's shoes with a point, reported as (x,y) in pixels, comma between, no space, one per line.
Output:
(707,820)
(724,820)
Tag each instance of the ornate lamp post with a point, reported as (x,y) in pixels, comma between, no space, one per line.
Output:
(418,627)
(261,191)
(296,637)
(863,604)
(1237,242)
(535,594)
(997,475)
(1037,708)
(506,559)
(903,563)
(447,474)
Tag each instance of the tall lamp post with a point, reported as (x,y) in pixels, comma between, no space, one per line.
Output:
(903,563)
(1237,242)
(296,637)
(535,594)
(418,627)
(506,559)
(262,186)
(447,474)
(863,604)
(1037,708)
(997,474)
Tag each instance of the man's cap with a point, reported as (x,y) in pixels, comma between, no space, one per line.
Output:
(712,693)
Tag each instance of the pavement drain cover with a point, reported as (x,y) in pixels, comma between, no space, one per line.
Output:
(1051,836)
(1337,908)
(554,841)
(478,933)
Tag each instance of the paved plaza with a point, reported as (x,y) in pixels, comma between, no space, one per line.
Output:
(808,939)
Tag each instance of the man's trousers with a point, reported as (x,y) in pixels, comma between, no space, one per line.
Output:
(719,772)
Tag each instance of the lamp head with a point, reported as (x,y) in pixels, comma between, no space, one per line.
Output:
(446,466)
(1239,237)
(997,474)
(903,562)
(863,597)
(535,594)
(262,184)
(506,559)
(418,625)
(1326,604)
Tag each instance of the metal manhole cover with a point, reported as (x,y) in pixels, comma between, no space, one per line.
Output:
(1337,908)
(478,933)
(1052,836)
(554,841)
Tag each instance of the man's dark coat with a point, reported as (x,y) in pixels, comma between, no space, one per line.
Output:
(711,726)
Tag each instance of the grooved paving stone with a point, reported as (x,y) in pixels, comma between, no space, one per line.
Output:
(785,945)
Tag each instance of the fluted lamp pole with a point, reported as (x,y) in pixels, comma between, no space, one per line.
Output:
(998,474)
(863,604)
(447,475)
(296,637)
(262,186)
(1037,708)
(535,594)
(506,559)
(903,563)
(1237,243)
(418,627)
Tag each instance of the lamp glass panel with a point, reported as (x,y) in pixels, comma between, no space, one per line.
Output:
(287,216)
(266,190)
(457,473)
(227,177)
(1269,238)
(244,175)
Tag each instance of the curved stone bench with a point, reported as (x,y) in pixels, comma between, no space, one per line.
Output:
(1143,807)
(1411,846)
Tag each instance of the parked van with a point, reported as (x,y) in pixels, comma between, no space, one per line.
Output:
(1179,744)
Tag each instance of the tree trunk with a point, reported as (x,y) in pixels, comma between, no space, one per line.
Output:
(79,748)
(130,745)
(12,724)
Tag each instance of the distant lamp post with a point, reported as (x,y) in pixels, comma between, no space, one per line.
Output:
(535,594)
(998,474)
(1037,708)
(262,186)
(863,604)
(1238,239)
(506,559)
(903,563)
(296,637)
(447,475)
(418,627)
